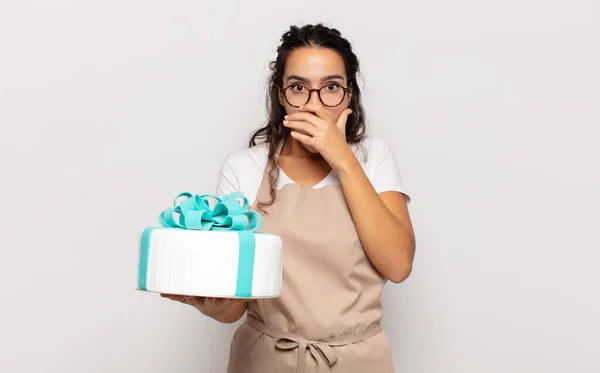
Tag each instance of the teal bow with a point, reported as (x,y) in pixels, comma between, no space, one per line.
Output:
(195,213)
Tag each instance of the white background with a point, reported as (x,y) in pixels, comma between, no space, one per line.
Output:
(108,109)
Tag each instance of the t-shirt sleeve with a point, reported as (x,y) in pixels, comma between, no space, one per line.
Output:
(387,176)
(228,179)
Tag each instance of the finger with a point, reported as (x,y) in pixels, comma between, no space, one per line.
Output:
(311,118)
(343,119)
(320,111)
(303,126)
(224,302)
(306,140)
(210,302)
(178,298)
(191,300)
(230,301)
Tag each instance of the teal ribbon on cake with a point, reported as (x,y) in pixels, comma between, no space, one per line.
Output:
(230,213)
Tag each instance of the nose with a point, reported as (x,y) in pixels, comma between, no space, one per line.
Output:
(314,98)
(314,102)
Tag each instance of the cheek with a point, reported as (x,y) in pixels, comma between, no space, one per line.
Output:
(334,113)
(291,110)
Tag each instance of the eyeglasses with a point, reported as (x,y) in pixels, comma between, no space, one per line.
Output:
(297,94)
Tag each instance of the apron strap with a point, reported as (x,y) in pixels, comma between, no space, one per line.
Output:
(321,351)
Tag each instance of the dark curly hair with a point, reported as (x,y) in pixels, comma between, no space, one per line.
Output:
(316,36)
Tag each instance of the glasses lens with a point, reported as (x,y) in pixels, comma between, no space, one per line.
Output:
(332,95)
(297,95)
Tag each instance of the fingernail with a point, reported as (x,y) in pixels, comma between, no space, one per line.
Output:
(285,122)
(286,117)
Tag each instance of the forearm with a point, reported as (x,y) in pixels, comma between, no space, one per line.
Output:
(387,242)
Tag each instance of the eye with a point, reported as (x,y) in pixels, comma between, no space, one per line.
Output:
(298,88)
(332,87)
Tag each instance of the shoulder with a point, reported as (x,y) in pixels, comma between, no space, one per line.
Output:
(248,159)
(371,150)
(373,141)
(380,164)
(242,171)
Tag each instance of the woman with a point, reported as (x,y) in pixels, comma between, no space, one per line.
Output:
(336,198)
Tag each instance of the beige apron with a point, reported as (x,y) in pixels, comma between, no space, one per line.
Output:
(327,318)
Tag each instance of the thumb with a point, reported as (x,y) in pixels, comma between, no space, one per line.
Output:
(343,118)
(209,302)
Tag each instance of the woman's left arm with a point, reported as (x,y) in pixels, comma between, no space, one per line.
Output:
(382,220)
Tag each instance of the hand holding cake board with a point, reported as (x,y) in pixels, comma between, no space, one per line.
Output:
(210,252)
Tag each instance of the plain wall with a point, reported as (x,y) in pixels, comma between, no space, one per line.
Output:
(109,109)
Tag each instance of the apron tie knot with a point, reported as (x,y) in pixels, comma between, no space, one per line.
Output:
(322,351)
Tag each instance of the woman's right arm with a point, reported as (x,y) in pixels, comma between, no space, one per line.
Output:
(225,310)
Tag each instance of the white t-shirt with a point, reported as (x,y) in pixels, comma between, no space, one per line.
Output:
(243,171)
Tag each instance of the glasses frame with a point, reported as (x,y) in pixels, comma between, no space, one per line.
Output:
(310,92)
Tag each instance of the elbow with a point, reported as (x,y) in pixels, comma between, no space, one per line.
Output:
(402,269)
(401,273)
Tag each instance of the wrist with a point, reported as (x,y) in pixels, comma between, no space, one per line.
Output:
(349,165)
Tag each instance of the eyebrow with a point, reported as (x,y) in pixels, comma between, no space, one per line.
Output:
(323,79)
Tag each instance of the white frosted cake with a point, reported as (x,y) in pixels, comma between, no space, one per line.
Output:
(210,252)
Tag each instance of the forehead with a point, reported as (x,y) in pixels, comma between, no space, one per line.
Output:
(314,63)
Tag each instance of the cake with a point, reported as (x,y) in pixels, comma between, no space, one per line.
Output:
(215,252)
